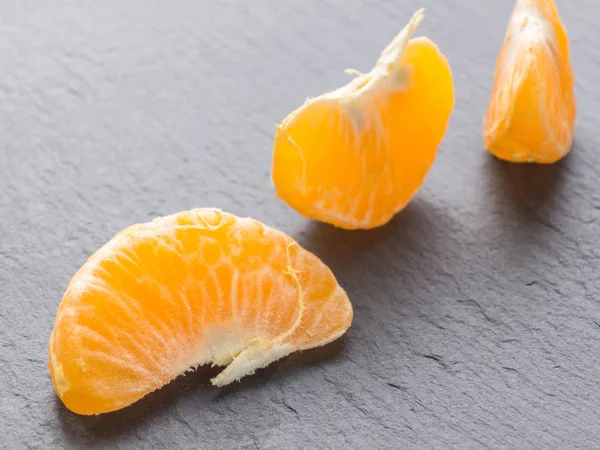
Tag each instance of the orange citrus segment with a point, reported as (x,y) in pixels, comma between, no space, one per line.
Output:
(197,287)
(355,156)
(531,116)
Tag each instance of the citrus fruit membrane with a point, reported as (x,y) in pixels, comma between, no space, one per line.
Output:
(197,287)
(531,115)
(355,156)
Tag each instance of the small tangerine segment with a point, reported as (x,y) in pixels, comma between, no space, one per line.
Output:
(532,110)
(356,156)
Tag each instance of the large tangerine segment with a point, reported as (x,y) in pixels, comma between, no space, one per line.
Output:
(532,110)
(356,156)
(197,287)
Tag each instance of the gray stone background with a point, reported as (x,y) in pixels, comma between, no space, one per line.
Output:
(477,319)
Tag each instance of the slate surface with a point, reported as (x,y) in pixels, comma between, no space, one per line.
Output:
(477,318)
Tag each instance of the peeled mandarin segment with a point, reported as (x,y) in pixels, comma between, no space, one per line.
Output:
(197,287)
(531,116)
(355,156)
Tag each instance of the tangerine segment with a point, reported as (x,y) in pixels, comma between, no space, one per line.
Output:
(197,287)
(355,156)
(531,116)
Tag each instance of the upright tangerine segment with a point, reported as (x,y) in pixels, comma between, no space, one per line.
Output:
(197,287)
(355,156)
(531,116)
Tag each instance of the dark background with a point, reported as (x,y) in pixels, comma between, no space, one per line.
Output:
(477,320)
